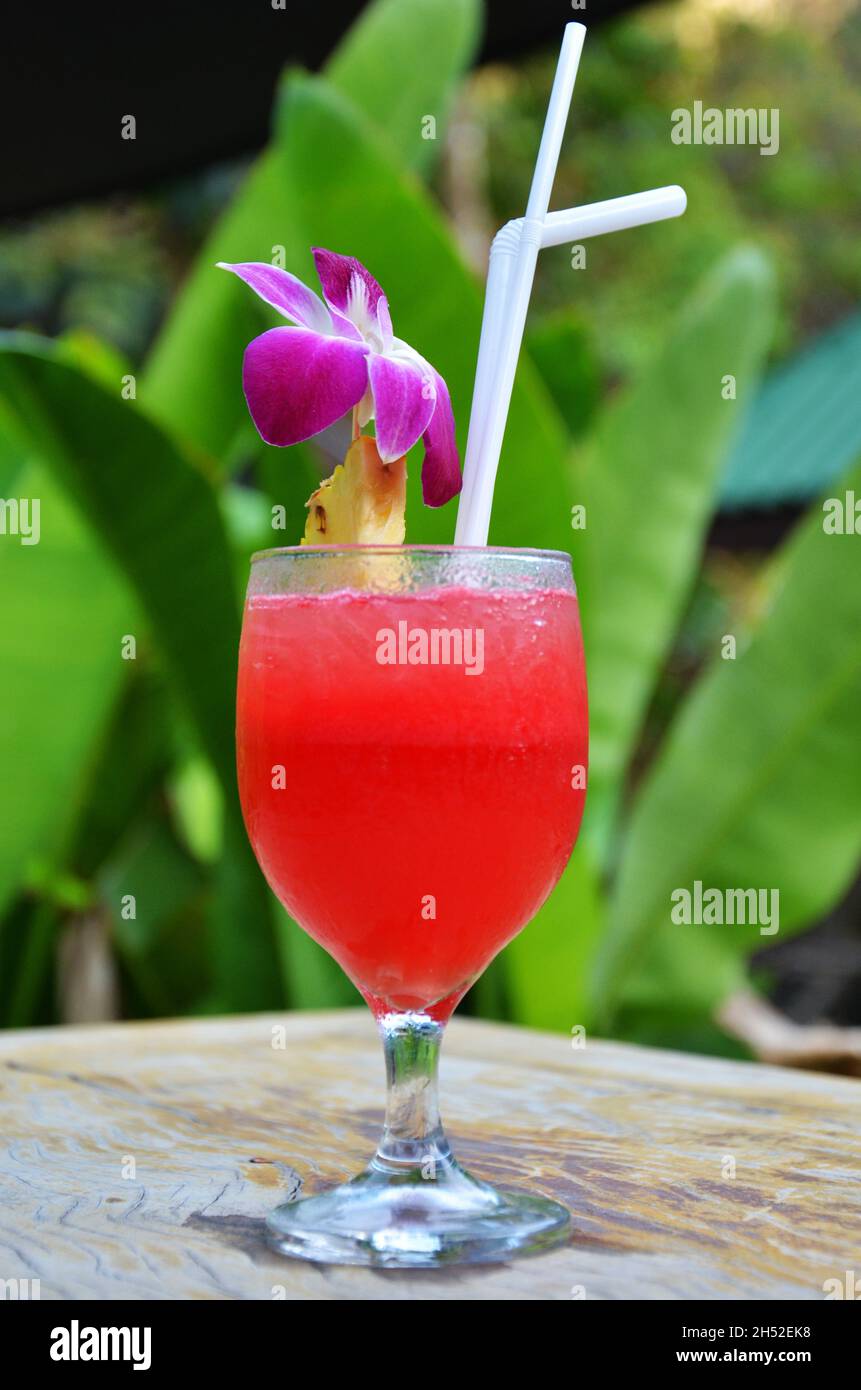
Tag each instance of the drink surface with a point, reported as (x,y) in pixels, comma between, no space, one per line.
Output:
(429,798)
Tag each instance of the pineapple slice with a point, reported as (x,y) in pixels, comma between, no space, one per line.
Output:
(363,503)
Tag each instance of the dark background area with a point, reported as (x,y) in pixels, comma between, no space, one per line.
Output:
(199,80)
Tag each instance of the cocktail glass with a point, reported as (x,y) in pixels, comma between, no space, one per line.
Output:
(412,743)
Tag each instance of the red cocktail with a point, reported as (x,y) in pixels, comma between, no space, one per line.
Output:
(412,741)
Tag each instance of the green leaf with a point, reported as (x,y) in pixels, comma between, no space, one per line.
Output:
(27,994)
(193,377)
(134,754)
(287,478)
(197,802)
(154,510)
(682,970)
(247,518)
(159,516)
(153,893)
(488,997)
(98,359)
(149,879)
(548,966)
(400,63)
(313,979)
(759,783)
(562,349)
(243,923)
(336,166)
(65,609)
(649,480)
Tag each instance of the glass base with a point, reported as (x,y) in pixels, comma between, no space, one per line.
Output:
(436,1215)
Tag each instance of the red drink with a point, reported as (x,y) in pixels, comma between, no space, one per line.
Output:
(430,794)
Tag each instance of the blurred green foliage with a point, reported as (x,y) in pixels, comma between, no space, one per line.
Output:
(801,204)
(119,773)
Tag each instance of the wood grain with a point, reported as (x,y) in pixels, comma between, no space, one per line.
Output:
(222,1126)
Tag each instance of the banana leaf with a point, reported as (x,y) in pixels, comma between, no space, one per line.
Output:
(648,480)
(759,782)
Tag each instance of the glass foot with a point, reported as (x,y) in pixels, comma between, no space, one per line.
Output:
(426,1217)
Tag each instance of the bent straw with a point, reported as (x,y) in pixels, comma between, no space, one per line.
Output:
(509,283)
(614,215)
(573,224)
(505,312)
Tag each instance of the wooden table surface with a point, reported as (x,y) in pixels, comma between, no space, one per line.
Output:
(139,1161)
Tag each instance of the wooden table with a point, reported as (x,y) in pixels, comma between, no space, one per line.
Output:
(140,1160)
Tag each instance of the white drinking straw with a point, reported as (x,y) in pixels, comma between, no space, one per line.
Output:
(574,224)
(614,215)
(511,271)
(506,304)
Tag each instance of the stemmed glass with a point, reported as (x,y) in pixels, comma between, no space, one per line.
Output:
(412,742)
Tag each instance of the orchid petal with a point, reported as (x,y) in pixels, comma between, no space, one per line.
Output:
(404,402)
(297,382)
(441,477)
(285,293)
(348,287)
(384,323)
(344,328)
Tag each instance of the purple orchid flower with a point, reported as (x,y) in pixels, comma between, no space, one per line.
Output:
(343,353)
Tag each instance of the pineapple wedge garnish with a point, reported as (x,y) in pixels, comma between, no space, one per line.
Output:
(363,503)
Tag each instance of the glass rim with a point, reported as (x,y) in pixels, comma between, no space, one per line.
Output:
(307,551)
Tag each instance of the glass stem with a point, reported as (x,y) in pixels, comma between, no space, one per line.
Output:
(413,1141)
